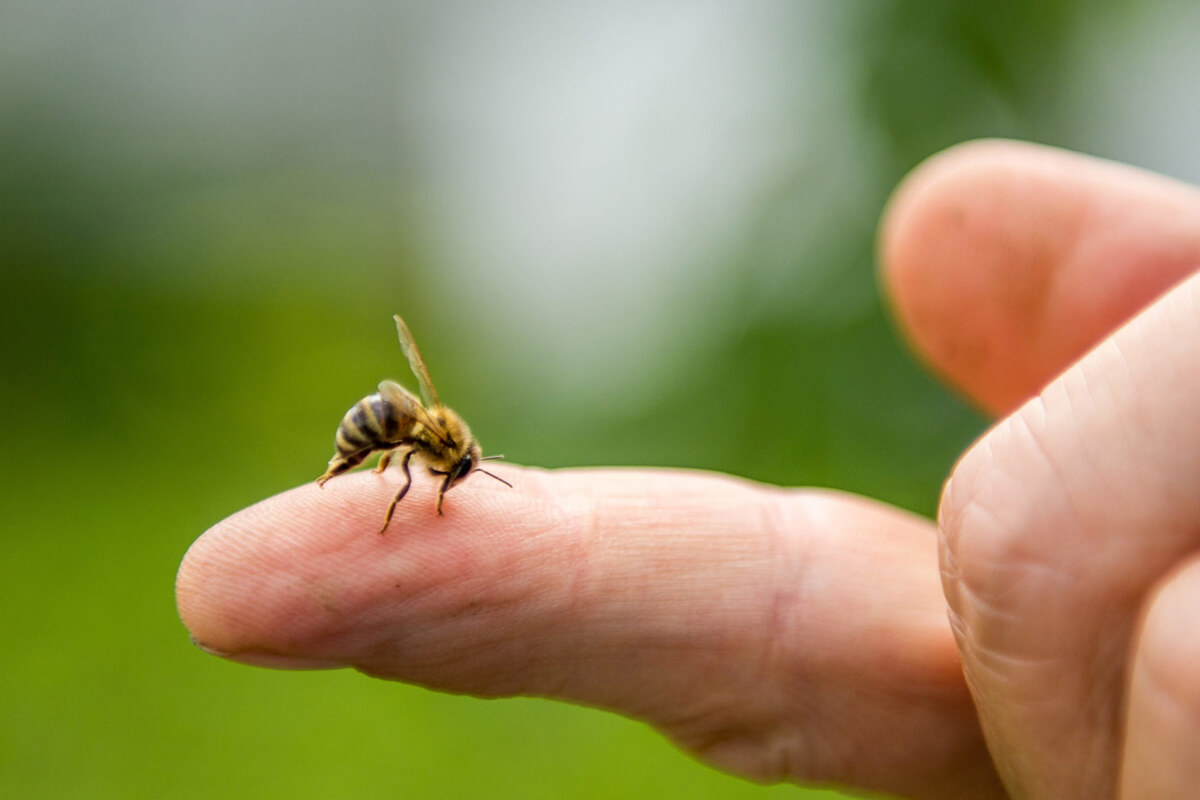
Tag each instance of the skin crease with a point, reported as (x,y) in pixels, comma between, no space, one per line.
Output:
(803,635)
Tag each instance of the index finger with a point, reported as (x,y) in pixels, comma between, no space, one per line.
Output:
(747,622)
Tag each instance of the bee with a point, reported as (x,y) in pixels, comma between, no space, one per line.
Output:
(395,421)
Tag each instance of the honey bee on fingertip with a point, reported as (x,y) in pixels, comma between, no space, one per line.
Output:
(394,421)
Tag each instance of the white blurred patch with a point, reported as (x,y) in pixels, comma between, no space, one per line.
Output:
(1130,93)
(590,168)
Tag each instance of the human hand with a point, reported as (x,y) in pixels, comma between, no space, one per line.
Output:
(1069,532)
(779,634)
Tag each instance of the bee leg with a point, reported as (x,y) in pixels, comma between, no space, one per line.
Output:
(400,494)
(337,465)
(442,489)
(384,460)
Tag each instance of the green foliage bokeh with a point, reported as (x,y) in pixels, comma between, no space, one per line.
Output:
(181,338)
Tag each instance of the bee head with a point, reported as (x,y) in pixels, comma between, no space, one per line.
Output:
(463,467)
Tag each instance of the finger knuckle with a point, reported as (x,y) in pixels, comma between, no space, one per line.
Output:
(997,522)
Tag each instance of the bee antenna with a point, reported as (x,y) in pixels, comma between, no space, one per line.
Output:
(497,477)
(491,458)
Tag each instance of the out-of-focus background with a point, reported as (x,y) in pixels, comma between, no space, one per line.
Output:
(624,233)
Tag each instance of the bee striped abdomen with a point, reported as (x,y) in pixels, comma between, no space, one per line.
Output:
(371,424)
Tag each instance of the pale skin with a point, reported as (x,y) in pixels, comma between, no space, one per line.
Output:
(1041,641)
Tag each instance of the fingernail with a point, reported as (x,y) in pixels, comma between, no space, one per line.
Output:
(256,658)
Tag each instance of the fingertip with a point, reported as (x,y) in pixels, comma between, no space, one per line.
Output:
(305,580)
(227,580)
(1005,261)
(925,196)
(965,260)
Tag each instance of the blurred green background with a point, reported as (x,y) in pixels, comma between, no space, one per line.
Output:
(635,234)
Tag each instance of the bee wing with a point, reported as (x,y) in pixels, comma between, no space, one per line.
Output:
(407,404)
(416,362)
